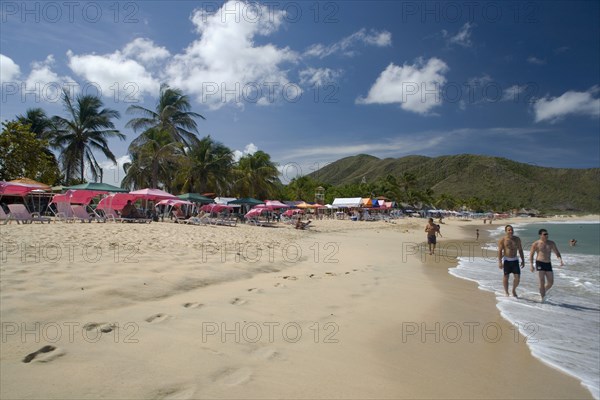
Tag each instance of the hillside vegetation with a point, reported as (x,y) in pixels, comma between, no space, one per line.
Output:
(492,179)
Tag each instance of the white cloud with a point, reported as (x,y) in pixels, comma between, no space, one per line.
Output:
(145,50)
(113,173)
(248,150)
(47,83)
(577,103)
(462,38)
(9,70)
(114,74)
(318,76)
(513,93)
(346,45)
(226,65)
(417,87)
(535,60)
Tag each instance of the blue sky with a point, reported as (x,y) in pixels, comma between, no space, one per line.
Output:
(310,82)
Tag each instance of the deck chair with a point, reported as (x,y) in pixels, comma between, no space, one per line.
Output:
(3,216)
(64,212)
(80,213)
(20,214)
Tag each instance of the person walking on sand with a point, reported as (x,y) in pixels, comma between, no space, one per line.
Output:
(477,234)
(508,247)
(544,248)
(432,231)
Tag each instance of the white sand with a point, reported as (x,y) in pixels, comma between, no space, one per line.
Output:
(345,310)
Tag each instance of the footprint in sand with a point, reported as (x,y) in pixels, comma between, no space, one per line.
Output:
(45,354)
(266,353)
(290,277)
(233,376)
(157,318)
(173,393)
(238,302)
(100,326)
(279,284)
(192,305)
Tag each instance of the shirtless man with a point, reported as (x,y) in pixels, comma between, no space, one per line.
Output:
(508,247)
(432,231)
(544,248)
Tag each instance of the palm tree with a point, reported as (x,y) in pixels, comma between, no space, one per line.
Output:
(208,167)
(258,176)
(88,129)
(172,115)
(154,158)
(39,123)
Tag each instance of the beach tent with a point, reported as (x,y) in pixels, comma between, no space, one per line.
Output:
(275,204)
(115,201)
(76,196)
(17,189)
(152,194)
(27,181)
(97,186)
(347,202)
(196,198)
(246,201)
(223,200)
(366,202)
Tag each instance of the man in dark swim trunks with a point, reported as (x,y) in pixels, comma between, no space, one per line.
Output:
(432,231)
(508,247)
(544,248)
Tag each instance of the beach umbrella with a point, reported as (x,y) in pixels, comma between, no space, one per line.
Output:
(97,186)
(115,201)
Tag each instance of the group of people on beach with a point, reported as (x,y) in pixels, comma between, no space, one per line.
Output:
(509,251)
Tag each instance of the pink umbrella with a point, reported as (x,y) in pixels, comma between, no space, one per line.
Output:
(76,196)
(172,202)
(152,194)
(255,212)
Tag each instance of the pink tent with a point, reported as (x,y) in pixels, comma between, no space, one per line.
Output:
(152,194)
(115,201)
(77,196)
(215,208)
(256,211)
(274,204)
(17,189)
(173,202)
(289,213)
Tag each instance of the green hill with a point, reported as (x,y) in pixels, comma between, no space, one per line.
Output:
(489,178)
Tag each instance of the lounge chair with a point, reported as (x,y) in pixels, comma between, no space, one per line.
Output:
(19,213)
(4,217)
(64,212)
(80,213)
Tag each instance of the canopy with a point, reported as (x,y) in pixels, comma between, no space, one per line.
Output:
(276,204)
(307,205)
(246,200)
(196,198)
(289,213)
(115,201)
(173,202)
(28,181)
(17,189)
(347,202)
(152,194)
(215,208)
(256,211)
(105,187)
(77,196)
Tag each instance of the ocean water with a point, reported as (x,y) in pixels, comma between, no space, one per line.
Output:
(564,331)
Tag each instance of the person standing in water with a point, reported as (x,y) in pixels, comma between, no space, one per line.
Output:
(508,248)
(544,248)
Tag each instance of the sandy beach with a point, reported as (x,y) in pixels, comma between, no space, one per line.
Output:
(171,311)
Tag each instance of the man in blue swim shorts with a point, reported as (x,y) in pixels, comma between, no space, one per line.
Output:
(544,248)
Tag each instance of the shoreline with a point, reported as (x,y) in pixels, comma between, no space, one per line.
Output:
(197,299)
